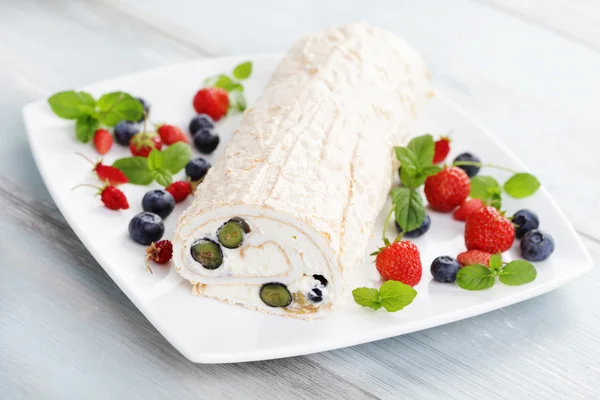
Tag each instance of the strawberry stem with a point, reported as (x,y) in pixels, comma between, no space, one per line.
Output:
(478,164)
(387,221)
(86,157)
(86,184)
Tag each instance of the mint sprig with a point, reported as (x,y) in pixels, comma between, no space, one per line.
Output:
(89,113)
(232,85)
(480,277)
(392,295)
(159,166)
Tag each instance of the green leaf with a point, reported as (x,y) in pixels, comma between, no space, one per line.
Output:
(409,178)
(367,297)
(118,106)
(243,70)
(495,263)
(176,156)
(521,185)
(163,177)
(71,104)
(518,272)
(408,159)
(424,148)
(135,169)
(85,127)
(410,212)
(495,199)
(431,170)
(396,295)
(156,160)
(475,277)
(224,82)
(237,101)
(482,186)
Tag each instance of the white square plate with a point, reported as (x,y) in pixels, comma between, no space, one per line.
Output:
(208,331)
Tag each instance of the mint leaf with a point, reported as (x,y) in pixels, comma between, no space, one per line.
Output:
(367,297)
(85,127)
(156,160)
(431,170)
(495,263)
(410,212)
(521,185)
(118,106)
(176,156)
(226,83)
(409,161)
(243,70)
(475,277)
(396,295)
(518,272)
(135,169)
(162,176)
(424,148)
(483,186)
(495,199)
(71,104)
(237,101)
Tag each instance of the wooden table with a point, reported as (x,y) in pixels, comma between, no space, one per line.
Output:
(527,70)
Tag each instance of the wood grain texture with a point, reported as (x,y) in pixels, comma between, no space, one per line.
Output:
(68,332)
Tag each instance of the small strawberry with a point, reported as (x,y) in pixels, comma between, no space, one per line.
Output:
(474,257)
(212,101)
(160,252)
(180,190)
(489,230)
(112,197)
(442,148)
(143,143)
(107,173)
(447,189)
(103,141)
(400,261)
(467,208)
(170,134)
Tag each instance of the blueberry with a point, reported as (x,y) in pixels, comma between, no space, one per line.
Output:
(275,294)
(525,221)
(206,141)
(321,279)
(159,202)
(315,295)
(196,168)
(146,106)
(417,232)
(146,228)
(208,253)
(125,130)
(201,121)
(444,269)
(231,234)
(471,170)
(536,245)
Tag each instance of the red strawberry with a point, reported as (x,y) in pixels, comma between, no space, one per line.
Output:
(489,230)
(107,173)
(400,261)
(212,101)
(474,257)
(447,189)
(112,197)
(160,252)
(442,148)
(170,134)
(143,143)
(180,190)
(103,141)
(467,208)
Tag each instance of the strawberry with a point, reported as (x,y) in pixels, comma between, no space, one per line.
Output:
(170,134)
(107,173)
(103,141)
(442,148)
(180,190)
(112,197)
(447,189)
(212,101)
(474,257)
(467,208)
(400,261)
(143,143)
(160,252)
(489,230)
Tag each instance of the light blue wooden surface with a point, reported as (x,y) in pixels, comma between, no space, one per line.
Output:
(527,70)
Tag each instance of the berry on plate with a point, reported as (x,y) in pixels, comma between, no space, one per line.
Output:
(146,227)
(524,221)
(146,107)
(444,269)
(160,252)
(206,141)
(447,189)
(201,121)
(111,197)
(536,245)
(472,257)
(180,190)
(197,168)
(170,134)
(107,173)
(103,141)
(467,208)
(124,131)
(417,232)
(159,202)
(212,101)
(442,148)
(471,170)
(489,230)
(400,261)
(143,143)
